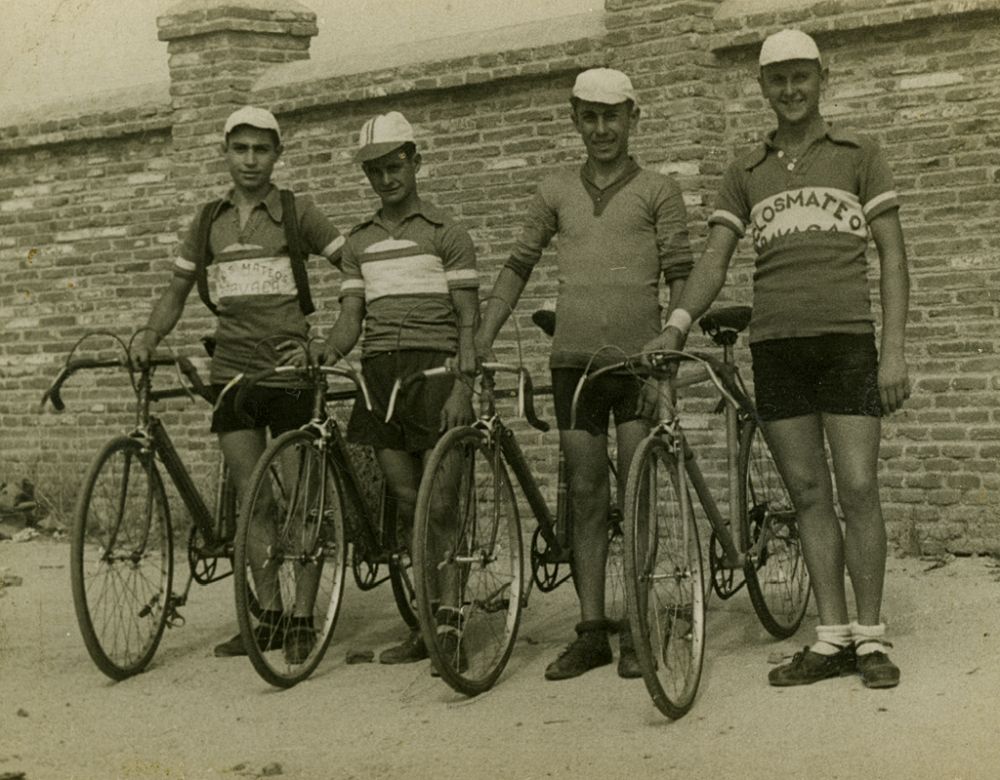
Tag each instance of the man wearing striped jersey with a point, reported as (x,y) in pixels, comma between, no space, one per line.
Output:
(410,282)
(256,300)
(809,197)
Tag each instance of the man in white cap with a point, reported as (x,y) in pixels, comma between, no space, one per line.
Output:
(809,196)
(622,232)
(241,250)
(409,276)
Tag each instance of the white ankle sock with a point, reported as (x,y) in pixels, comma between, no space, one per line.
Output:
(831,639)
(868,639)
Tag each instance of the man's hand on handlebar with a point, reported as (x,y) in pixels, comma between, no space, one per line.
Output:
(143,350)
(670,340)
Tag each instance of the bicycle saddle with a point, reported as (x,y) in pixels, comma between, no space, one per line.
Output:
(546,320)
(722,325)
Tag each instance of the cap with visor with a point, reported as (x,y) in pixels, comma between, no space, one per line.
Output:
(382,134)
(252,116)
(604,85)
(788,45)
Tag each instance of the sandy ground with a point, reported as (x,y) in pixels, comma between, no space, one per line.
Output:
(191,715)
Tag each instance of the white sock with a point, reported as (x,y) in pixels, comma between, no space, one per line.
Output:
(868,639)
(831,639)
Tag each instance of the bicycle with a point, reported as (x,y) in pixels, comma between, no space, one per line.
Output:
(663,559)
(468,470)
(307,501)
(121,544)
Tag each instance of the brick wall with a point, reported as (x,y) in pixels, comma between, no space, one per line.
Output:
(91,200)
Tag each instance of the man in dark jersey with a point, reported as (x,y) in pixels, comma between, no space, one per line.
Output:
(621,230)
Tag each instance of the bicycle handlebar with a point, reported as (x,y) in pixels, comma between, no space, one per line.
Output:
(524,393)
(721,374)
(54,393)
(247,383)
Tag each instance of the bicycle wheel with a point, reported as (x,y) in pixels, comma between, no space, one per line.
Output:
(290,557)
(776,574)
(467,561)
(121,559)
(395,539)
(664,579)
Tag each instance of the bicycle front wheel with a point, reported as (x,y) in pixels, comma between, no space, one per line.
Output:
(664,579)
(467,561)
(121,559)
(290,558)
(776,574)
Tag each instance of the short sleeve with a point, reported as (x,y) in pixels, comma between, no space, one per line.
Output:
(352,283)
(732,208)
(318,234)
(186,259)
(458,255)
(876,188)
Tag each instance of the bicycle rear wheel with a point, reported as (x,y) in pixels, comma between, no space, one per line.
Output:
(467,561)
(290,557)
(396,540)
(664,579)
(121,559)
(776,574)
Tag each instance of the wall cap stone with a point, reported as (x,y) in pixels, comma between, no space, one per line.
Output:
(548,32)
(199,17)
(745,23)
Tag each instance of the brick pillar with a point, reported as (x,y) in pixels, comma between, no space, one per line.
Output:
(664,45)
(218,49)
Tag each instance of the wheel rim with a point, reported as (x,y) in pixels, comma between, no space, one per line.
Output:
(122,563)
(776,566)
(481,548)
(291,557)
(668,614)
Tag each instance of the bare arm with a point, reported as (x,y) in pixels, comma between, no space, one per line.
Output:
(165,314)
(346,330)
(893,378)
(499,305)
(457,410)
(701,287)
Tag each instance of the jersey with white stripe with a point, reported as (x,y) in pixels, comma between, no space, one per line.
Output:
(808,220)
(406,273)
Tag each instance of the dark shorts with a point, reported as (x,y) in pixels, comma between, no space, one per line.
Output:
(416,423)
(618,393)
(276,408)
(835,374)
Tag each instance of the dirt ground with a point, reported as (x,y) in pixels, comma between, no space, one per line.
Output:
(194,716)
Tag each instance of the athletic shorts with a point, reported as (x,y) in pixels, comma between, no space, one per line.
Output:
(416,423)
(836,374)
(618,393)
(279,409)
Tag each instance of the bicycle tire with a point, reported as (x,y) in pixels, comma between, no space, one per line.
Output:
(466,475)
(295,545)
(665,580)
(122,589)
(404,591)
(775,570)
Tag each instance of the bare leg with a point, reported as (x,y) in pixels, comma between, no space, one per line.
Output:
(242,449)
(589,494)
(797,445)
(854,445)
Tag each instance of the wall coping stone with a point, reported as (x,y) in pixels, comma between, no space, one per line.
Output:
(522,50)
(200,17)
(741,24)
(105,113)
